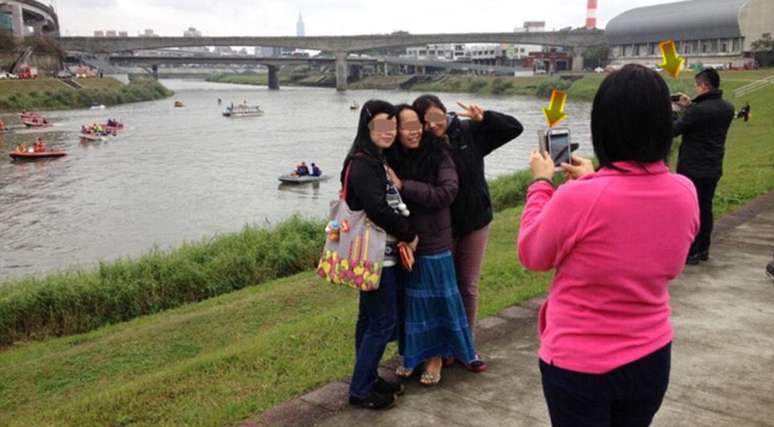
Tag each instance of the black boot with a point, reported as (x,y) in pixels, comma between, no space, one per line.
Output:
(383,386)
(693,259)
(374,401)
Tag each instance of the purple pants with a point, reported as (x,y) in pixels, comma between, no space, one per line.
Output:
(468,257)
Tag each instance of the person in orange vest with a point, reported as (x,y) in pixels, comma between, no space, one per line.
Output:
(39,146)
(2,125)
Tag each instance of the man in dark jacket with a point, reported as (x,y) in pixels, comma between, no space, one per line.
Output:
(704,126)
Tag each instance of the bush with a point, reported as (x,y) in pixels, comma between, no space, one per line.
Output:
(545,88)
(74,302)
(501,86)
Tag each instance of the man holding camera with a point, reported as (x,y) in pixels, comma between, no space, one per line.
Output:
(704,123)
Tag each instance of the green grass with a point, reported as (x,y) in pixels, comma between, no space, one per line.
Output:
(243,79)
(73,302)
(582,89)
(104,83)
(218,361)
(52,94)
(228,358)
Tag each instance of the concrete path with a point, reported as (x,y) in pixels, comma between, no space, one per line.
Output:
(722,361)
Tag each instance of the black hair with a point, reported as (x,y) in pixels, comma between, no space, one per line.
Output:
(631,117)
(362,142)
(424,102)
(710,77)
(420,164)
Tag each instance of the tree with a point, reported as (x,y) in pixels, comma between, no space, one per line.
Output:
(596,56)
(7,41)
(764,43)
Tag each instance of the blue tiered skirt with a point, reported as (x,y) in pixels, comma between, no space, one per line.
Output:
(435,322)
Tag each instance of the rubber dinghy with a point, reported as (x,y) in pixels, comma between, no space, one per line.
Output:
(295,179)
(40,155)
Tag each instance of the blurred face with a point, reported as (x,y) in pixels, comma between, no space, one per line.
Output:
(700,88)
(382,130)
(435,121)
(410,129)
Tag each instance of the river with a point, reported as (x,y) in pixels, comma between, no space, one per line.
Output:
(183,174)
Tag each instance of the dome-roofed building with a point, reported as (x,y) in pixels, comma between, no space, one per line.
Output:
(711,32)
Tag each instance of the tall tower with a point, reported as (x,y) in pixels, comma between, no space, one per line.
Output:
(591,14)
(300,31)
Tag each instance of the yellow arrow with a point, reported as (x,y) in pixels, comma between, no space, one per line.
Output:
(555,111)
(673,63)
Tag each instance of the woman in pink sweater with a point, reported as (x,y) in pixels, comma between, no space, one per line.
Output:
(615,237)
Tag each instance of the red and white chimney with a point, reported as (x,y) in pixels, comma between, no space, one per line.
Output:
(591,14)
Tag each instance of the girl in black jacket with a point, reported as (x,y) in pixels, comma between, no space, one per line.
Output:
(470,141)
(369,189)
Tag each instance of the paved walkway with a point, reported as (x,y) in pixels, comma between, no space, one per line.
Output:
(722,361)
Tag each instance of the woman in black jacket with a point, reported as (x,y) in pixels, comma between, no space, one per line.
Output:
(369,189)
(470,141)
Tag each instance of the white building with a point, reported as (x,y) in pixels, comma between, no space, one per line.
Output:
(521,51)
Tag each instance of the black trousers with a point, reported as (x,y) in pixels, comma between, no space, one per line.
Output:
(628,396)
(705,189)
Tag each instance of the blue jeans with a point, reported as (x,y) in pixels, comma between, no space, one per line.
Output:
(376,322)
(628,396)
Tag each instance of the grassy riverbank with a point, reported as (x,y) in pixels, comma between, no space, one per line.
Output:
(53,94)
(285,79)
(222,360)
(580,89)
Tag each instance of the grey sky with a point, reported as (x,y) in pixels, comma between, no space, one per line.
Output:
(332,17)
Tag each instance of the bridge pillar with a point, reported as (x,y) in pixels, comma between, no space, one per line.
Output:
(341,71)
(577,59)
(274,77)
(386,69)
(155,69)
(17,18)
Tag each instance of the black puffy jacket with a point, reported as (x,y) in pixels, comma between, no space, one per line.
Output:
(704,126)
(470,143)
(367,190)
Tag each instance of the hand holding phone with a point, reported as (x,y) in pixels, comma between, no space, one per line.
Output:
(556,142)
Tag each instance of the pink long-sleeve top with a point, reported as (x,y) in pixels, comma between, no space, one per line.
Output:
(616,239)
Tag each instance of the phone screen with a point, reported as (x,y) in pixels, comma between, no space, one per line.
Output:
(559,148)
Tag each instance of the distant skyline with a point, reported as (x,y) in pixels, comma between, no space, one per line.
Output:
(333,17)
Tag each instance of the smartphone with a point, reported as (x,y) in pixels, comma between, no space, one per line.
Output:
(556,142)
(675,98)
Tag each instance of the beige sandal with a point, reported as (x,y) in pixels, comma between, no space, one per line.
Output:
(403,372)
(429,378)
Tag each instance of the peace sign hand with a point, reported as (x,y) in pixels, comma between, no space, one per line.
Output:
(472,111)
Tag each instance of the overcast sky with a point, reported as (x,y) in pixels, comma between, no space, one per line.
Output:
(326,17)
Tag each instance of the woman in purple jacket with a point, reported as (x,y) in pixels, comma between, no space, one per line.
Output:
(435,324)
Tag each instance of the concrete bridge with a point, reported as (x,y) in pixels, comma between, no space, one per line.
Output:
(273,63)
(341,46)
(41,17)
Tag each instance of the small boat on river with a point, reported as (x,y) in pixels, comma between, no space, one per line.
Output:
(16,155)
(179,104)
(295,179)
(242,110)
(35,122)
(92,137)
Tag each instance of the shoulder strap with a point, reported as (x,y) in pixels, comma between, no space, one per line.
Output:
(345,185)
